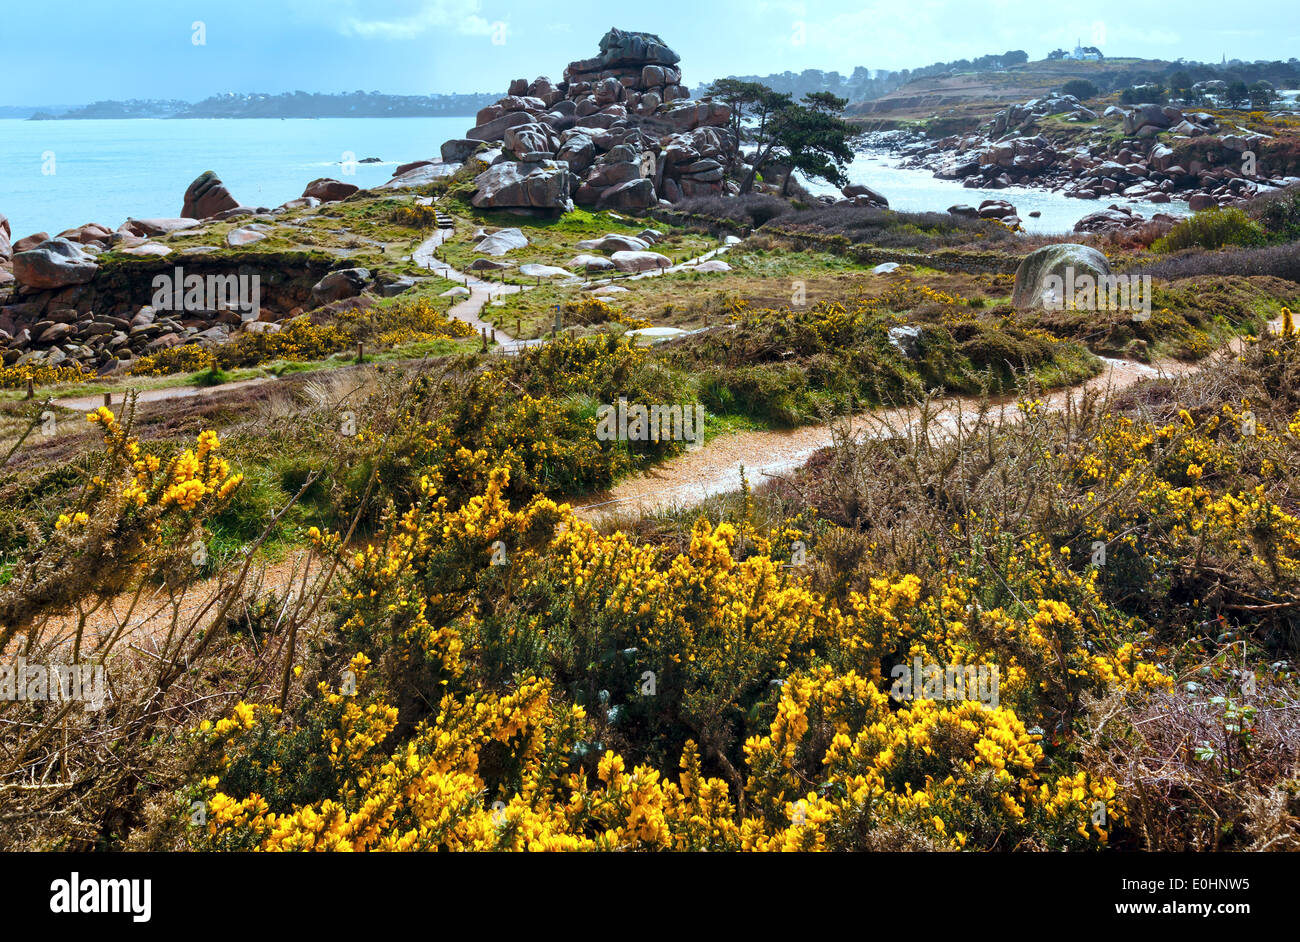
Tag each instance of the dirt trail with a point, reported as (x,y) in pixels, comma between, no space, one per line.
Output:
(90,403)
(722,464)
(482,293)
(468,310)
(149,619)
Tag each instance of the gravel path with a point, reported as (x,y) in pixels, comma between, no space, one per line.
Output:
(722,464)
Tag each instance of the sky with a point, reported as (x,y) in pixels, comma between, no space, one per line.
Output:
(91,50)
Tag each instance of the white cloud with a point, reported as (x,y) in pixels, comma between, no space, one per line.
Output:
(413,20)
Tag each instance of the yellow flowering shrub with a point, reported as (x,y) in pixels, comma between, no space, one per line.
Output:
(137,511)
(16,377)
(300,339)
(521,681)
(534,414)
(591,311)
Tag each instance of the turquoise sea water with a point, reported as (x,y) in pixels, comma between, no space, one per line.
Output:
(105,171)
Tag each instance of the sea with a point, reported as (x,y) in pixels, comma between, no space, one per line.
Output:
(55,175)
(916,191)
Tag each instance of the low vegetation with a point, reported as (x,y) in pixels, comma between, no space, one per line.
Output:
(353,609)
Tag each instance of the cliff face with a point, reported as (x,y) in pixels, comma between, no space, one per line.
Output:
(619,131)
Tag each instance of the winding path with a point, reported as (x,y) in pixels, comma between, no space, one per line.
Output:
(482,293)
(725,463)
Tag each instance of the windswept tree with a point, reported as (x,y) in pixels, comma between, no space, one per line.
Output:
(752,107)
(1262,95)
(808,136)
(1080,88)
(1180,85)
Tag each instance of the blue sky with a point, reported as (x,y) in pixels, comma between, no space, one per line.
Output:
(84,50)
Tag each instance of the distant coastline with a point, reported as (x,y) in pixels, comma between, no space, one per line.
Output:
(284,105)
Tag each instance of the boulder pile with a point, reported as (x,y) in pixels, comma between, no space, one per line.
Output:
(56,310)
(619,131)
(1023,118)
(1117,218)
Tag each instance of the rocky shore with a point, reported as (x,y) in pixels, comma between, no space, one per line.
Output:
(620,131)
(60,307)
(1147,152)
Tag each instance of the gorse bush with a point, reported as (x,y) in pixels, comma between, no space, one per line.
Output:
(487,699)
(534,414)
(40,374)
(1212,229)
(138,506)
(299,339)
(416,215)
(591,312)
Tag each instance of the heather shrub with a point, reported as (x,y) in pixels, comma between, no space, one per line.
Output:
(752,209)
(1279,261)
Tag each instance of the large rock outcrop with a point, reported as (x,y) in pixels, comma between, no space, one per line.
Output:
(6,249)
(207,196)
(502,241)
(621,122)
(328,190)
(536,184)
(1067,260)
(340,284)
(54,264)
